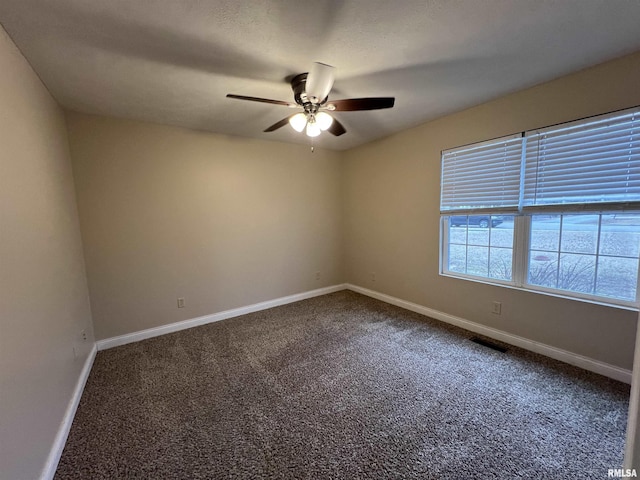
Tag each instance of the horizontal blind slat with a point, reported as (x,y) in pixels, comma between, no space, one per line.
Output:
(571,136)
(482,176)
(595,160)
(584,154)
(590,161)
(472,169)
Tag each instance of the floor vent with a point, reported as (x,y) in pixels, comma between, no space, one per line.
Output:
(485,343)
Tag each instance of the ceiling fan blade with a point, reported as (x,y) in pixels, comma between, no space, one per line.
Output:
(336,128)
(279,124)
(319,82)
(262,100)
(355,104)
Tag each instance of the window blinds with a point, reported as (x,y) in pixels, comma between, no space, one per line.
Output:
(590,161)
(580,164)
(482,175)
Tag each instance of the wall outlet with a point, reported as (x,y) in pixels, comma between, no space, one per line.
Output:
(372,275)
(180,302)
(496,308)
(83,335)
(317,275)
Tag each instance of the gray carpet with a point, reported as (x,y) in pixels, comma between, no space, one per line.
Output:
(340,387)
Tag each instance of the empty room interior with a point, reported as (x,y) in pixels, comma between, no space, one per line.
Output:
(324,240)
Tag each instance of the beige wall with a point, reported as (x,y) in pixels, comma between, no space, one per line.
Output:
(223,222)
(392,189)
(226,222)
(43,291)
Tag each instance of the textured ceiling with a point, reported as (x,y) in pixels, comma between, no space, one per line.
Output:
(173,62)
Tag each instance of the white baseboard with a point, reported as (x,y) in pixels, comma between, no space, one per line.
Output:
(55,453)
(215,317)
(581,361)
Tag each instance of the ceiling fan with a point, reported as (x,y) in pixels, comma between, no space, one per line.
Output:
(311,93)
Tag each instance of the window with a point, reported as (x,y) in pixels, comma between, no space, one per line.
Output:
(593,254)
(553,210)
(481,245)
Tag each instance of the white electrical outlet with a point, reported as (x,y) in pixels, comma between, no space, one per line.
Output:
(317,275)
(180,302)
(497,308)
(83,335)
(373,277)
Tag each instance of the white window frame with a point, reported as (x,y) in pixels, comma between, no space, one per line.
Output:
(571,293)
(520,262)
(522,238)
(444,253)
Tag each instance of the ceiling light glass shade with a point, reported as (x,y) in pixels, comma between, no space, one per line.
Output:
(324,120)
(298,121)
(313,130)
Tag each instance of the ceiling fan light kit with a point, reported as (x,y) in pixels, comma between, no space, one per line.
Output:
(313,130)
(298,121)
(324,120)
(311,93)
(315,124)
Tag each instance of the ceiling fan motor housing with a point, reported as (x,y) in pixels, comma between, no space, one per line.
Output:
(298,85)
